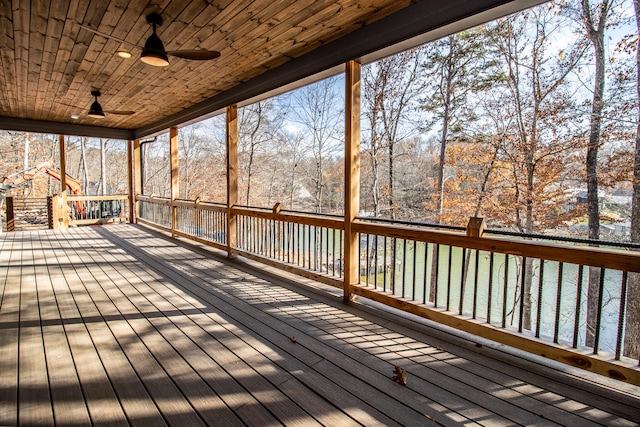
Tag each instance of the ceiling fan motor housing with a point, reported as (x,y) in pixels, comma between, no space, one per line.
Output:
(154,52)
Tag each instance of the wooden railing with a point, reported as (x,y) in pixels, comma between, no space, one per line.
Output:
(204,222)
(89,210)
(23,213)
(80,210)
(309,245)
(528,294)
(155,211)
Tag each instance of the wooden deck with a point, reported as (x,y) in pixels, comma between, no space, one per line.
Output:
(119,325)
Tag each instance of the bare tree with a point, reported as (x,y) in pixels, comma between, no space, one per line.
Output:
(390,93)
(457,68)
(318,110)
(538,138)
(594,19)
(258,124)
(632,335)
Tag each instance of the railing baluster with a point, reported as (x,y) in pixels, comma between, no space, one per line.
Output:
(424,274)
(596,343)
(366,262)
(404,267)
(309,231)
(392,277)
(413,276)
(523,280)
(462,280)
(449,263)
(539,306)
(375,263)
(475,284)
(297,244)
(340,246)
(621,314)
(386,267)
(556,329)
(436,263)
(504,294)
(320,247)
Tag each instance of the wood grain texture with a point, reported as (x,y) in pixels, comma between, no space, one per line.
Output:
(135,328)
(49,64)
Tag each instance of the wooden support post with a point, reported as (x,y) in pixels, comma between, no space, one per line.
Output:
(63,220)
(137,180)
(352,176)
(232,176)
(175,177)
(11,219)
(135,183)
(475,227)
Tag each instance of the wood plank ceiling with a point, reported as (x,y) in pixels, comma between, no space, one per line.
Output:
(50,64)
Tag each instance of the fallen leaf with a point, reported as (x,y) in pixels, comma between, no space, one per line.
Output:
(400,375)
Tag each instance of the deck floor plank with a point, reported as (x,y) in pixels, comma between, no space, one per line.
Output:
(502,395)
(34,400)
(528,383)
(101,399)
(356,368)
(186,342)
(69,407)
(173,405)
(126,326)
(10,269)
(248,316)
(159,295)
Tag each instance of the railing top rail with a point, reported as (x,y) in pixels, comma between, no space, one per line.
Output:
(306,218)
(200,205)
(105,197)
(154,199)
(533,236)
(589,256)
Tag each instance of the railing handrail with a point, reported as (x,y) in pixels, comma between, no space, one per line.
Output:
(154,199)
(310,219)
(583,255)
(200,205)
(589,256)
(536,236)
(98,198)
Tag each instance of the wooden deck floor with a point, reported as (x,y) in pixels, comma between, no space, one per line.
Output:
(119,325)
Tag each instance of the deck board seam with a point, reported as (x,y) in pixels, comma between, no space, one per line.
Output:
(559,411)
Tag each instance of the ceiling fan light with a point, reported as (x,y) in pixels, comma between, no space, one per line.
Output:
(96,110)
(154,53)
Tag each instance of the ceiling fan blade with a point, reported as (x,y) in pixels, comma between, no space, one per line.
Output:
(197,55)
(120,112)
(108,36)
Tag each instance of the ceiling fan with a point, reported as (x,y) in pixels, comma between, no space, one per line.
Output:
(97,112)
(153,52)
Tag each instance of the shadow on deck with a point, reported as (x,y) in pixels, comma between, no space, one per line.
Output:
(119,325)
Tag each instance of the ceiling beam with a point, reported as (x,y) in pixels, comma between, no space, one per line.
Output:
(58,128)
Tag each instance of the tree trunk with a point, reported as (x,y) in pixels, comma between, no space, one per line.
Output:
(391,172)
(103,167)
(632,335)
(83,164)
(595,33)
(444,135)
